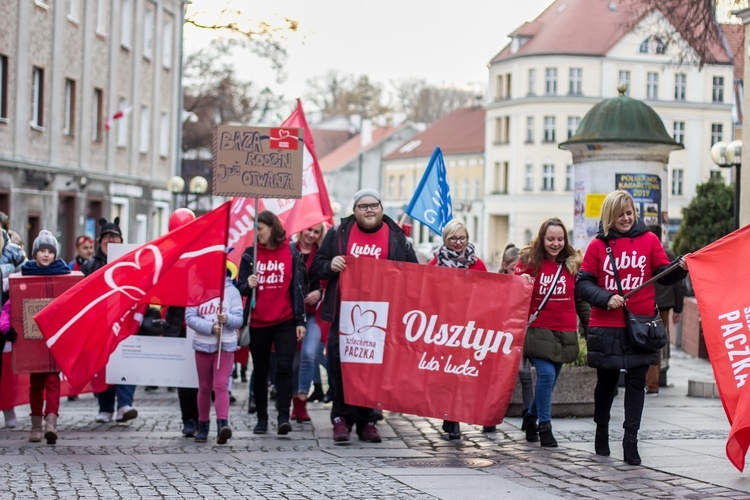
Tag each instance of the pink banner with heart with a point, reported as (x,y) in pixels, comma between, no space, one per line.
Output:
(431,341)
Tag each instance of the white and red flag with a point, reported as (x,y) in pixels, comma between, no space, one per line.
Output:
(295,214)
(121,113)
(185,267)
(720,273)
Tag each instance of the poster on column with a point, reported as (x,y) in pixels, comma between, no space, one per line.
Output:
(646,192)
(155,361)
(446,352)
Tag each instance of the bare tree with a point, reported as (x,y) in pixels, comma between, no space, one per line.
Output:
(427,103)
(334,94)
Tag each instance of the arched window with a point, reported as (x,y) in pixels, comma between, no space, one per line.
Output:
(643,49)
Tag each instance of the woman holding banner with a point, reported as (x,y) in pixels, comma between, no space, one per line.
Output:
(551,338)
(623,251)
(278,319)
(457,252)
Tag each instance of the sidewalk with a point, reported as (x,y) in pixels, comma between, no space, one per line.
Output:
(681,442)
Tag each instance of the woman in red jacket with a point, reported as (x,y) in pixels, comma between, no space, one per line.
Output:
(457,252)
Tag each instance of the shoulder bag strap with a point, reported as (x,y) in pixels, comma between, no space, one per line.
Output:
(535,314)
(617,278)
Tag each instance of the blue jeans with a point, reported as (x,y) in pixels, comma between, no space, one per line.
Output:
(546,377)
(124,395)
(308,362)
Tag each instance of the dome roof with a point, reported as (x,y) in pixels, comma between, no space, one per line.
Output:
(622,119)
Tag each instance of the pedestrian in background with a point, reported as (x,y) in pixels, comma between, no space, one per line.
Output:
(278,320)
(456,252)
(12,257)
(368,233)
(84,251)
(638,255)
(551,264)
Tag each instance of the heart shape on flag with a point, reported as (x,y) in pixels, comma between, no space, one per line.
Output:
(112,276)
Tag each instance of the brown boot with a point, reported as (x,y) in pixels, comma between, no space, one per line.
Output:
(50,429)
(35,436)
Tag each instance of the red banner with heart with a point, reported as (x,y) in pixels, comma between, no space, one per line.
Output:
(431,341)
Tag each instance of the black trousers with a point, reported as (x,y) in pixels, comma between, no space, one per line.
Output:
(606,388)
(353,415)
(283,338)
(188,403)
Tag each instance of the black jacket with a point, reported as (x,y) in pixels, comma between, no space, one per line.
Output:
(336,243)
(247,268)
(96,262)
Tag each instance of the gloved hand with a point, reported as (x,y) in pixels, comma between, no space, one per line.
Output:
(12,335)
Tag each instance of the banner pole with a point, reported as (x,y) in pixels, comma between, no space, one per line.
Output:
(657,277)
(255,254)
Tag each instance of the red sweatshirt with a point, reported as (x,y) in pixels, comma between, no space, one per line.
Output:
(274,271)
(560,311)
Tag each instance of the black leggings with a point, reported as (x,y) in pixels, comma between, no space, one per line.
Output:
(283,338)
(606,388)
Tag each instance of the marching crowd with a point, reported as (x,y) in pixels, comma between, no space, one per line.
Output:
(285,298)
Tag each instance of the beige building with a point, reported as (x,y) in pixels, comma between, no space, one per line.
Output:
(554,70)
(65,67)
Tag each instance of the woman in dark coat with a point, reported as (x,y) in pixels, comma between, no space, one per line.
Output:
(638,255)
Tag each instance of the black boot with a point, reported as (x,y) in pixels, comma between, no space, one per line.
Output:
(601,440)
(523,416)
(532,431)
(545,435)
(251,408)
(202,435)
(262,426)
(243,373)
(328,397)
(317,393)
(224,432)
(284,426)
(188,428)
(630,448)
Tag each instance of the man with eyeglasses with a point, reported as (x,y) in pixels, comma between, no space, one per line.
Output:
(110,233)
(368,233)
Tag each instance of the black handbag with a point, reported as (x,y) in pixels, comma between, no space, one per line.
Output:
(646,333)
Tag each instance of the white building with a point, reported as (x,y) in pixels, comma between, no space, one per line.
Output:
(64,68)
(550,75)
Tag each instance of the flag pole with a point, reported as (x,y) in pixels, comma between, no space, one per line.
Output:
(255,255)
(221,292)
(657,277)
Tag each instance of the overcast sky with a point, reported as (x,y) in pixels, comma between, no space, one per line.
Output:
(442,41)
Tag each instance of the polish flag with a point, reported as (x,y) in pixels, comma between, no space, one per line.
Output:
(185,267)
(295,214)
(720,280)
(109,121)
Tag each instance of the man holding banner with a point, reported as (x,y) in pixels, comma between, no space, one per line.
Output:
(368,233)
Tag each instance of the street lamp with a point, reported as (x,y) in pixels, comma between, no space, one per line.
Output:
(197,186)
(728,156)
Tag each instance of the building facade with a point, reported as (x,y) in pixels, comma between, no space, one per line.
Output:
(554,70)
(89,115)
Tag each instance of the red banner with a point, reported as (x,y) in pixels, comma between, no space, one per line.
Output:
(720,273)
(295,215)
(431,341)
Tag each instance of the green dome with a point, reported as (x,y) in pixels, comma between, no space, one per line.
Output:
(622,119)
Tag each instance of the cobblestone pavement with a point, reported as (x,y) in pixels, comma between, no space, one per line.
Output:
(149,458)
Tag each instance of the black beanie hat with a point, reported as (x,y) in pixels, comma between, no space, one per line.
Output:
(109,227)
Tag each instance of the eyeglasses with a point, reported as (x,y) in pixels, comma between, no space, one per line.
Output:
(458,239)
(111,237)
(364,207)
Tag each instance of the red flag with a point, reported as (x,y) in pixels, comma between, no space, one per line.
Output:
(431,355)
(120,113)
(720,273)
(295,214)
(185,267)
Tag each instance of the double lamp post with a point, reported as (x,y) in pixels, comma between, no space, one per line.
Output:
(728,156)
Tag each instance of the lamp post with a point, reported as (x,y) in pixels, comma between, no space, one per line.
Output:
(197,186)
(728,156)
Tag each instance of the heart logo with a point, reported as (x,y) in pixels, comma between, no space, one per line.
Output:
(133,292)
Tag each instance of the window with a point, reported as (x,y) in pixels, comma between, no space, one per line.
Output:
(477,187)
(527,236)
(576,81)
(550,81)
(717,133)
(624,79)
(573,122)
(529,129)
(166,55)
(499,87)
(97,119)
(548,177)
(677,177)
(532,82)
(145,130)
(69,113)
(643,49)
(659,46)
(148,32)
(549,129)
(502,130)
(652,86)
(73,10)
(568,177)
(3,87)
(716,175)
(101,17)
(718,89)
(466,189)
(402,187)
(126,24)
(37,98)
(528,183)
(501,177)
(122,124)
(680,83)
(164,135)
(679,132)
(392,186)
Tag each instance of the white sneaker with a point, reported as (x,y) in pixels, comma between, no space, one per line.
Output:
(125,413)
(10,418)
(104,417)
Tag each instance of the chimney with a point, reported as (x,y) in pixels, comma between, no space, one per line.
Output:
(365,136)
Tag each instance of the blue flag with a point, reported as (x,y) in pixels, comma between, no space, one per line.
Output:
(431,204)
